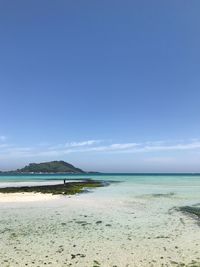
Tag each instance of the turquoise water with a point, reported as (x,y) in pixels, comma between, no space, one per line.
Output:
(156,179)
(183,185)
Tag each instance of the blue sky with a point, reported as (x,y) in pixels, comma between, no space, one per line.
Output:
(106,85)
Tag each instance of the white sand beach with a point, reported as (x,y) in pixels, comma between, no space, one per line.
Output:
(25,197)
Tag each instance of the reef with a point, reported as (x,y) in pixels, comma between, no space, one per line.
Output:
(67,188)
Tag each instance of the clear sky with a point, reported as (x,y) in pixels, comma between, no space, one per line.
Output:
(106,85)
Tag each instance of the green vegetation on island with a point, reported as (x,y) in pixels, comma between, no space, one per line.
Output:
(50,167)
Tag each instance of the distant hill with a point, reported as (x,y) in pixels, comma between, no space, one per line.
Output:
(50,167)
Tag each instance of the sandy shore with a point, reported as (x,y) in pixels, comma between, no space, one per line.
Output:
(105,228)
(25,197)
(33,183)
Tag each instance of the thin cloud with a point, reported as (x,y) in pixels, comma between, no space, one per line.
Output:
(115,147)
(4,145)
(3,138)
(82,143)
(160,160)
(179,146)
(93,146)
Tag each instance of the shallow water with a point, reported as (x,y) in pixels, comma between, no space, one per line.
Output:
(132,223)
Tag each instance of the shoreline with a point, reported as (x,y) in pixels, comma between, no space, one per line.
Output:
(130,223)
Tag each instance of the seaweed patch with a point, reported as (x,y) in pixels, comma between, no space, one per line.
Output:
(69,188)
(193,210)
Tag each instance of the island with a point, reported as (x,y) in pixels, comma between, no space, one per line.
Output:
(53,167)
(66,187)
